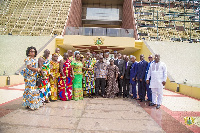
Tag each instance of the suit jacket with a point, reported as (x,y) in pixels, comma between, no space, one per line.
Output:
(120,64)
(127,69)
(142,67)
(133,71)
(148,69)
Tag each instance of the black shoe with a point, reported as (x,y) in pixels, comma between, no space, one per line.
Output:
(151,104)
(133,98)
(141,100)
(138,99)
(158,106)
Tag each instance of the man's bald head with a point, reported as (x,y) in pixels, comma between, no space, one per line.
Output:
(70,53)
(157,58)
(101,58)
(141,57)
(46,53)
(57,50)
(65,56)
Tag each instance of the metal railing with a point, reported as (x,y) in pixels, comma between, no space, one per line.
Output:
(97,31)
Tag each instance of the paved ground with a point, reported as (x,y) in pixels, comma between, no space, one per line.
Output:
(98,115)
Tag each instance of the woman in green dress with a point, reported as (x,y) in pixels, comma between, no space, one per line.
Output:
(77,77)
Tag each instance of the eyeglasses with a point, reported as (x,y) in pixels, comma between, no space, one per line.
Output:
(32,51)
(101,58)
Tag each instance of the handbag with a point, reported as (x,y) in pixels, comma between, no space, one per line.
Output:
(38,81)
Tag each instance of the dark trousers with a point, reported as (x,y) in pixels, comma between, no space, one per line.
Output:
(126,87)
(134,91)
(149,93)
(142,89)
(120,84)
(100,82)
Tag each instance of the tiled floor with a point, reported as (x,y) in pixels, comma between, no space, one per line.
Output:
(8,94)
(98,115)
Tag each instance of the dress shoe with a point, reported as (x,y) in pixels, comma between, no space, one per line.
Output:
(158,106)
(138,99)
(141,100)
(151,104)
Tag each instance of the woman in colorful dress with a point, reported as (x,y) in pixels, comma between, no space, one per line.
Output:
(65,79)
(54,74)
(31,97)
(112,85)
(78,76)
(88,76)
(44,86)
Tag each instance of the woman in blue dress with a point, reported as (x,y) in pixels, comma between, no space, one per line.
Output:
(31,97)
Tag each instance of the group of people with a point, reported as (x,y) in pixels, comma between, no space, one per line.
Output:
(73,76)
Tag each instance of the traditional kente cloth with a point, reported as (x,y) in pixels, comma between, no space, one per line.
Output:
(88,77)
(112,84)
(71,58)
(44,87)
(54,80)
(77,82)
(31,97)
(65,85)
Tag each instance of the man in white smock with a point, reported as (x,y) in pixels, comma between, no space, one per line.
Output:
(158,74)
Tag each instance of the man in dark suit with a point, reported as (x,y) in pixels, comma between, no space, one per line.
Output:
(149,92)
(142,66)
(126,83)
(120,64)
(133,74)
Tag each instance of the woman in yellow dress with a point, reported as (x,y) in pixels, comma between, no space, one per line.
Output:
(54,74)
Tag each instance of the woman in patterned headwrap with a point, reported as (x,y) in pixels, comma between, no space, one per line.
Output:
(31,98)
(78,76)
(65,79)
(54,74)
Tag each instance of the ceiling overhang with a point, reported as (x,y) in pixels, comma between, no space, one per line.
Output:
(124,45)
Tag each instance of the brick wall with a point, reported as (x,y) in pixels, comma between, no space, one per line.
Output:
(75,14)
(128,21)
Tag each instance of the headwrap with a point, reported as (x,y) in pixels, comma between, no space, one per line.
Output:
(55,54)
(82,56)
(76,52)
